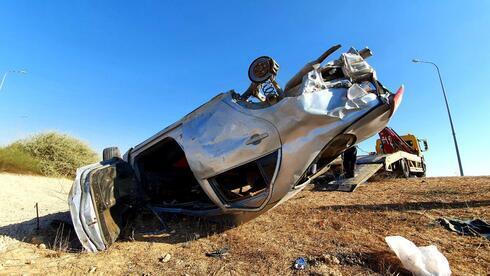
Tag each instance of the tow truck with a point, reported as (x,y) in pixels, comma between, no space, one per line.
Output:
(396,156)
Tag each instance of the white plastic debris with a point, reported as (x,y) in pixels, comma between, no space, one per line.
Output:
(422,261)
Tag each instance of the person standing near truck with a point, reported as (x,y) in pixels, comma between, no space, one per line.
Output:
(349,158)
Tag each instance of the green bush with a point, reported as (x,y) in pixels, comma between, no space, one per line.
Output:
(57,154)
(15,160)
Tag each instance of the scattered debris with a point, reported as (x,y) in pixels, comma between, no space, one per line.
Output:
(92,269)
(300,263)
(165,258)
(325,259)
(219,253)
(352,258)
(421,261)
(331,259)
(475,227)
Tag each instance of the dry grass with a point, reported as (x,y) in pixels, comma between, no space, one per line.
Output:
(61,240)
(321,226)
(14,159)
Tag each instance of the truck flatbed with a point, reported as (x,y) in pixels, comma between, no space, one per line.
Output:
(369,165)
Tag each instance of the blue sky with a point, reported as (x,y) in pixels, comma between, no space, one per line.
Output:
(116,72)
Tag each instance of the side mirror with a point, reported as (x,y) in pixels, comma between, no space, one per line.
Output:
(426,145)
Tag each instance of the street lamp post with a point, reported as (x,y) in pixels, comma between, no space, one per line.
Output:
(448,111)
(10,71)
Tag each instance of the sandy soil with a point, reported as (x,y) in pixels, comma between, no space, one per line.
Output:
(339,233)
(19,194)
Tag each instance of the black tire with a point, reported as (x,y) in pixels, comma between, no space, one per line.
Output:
(403,171)
(111,152)
(422,174)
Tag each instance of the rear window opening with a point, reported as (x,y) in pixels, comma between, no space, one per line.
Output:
(167,179)
(247,180)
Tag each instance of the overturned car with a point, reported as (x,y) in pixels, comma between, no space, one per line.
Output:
(237,155)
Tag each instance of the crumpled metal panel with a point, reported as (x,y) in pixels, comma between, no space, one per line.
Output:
(355,67)
(319,98)
(214,138)
(82,211)
(219,138)
(306,123)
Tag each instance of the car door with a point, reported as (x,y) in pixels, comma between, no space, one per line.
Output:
(221,137)
(100,200)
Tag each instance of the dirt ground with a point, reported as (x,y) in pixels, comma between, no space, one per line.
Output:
(339,233)
(19,195)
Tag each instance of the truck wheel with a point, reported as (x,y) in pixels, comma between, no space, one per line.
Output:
(111,152)
(422,174)
(403,170)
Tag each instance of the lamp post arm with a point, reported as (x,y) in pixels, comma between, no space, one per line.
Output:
(3,80)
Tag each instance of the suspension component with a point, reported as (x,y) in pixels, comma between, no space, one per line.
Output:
(263,69)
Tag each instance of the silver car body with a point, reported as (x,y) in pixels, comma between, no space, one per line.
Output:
(316,119)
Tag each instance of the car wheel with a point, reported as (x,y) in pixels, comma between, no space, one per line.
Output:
(111,152)
(403,170)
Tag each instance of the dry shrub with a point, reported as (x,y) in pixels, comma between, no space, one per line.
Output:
(58,154)
(15,160)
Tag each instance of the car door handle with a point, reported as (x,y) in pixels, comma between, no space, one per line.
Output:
(256,138)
